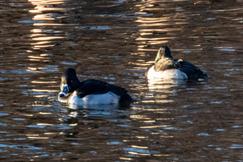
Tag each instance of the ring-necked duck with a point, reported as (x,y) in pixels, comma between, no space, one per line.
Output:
(90,92)
(166,67)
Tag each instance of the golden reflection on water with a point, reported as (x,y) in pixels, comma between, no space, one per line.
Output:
(41,5)
(45,16)
(42,39)
(156,30)
(44,34)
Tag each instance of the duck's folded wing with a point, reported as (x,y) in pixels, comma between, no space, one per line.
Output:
(92,86)
(192,71)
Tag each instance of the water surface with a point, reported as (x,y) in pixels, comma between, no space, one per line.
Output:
(116,41)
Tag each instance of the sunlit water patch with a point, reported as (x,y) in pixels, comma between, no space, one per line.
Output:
(116,41)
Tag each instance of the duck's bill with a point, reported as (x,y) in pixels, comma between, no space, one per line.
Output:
(64,91)
(62,94)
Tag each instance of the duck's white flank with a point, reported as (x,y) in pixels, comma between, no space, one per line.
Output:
(166,74)
(93,99)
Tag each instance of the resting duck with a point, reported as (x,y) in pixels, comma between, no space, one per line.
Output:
(90,92)
(166,67)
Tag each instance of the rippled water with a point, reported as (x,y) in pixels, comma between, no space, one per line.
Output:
(116,41)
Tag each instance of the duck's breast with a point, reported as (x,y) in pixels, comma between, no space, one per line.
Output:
(94,99)
(166,74)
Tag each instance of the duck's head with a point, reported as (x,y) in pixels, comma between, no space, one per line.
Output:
(164,59)
(163,53)
(69,83)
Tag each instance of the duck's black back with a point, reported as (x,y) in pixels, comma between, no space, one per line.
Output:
(193,72)
(92,86)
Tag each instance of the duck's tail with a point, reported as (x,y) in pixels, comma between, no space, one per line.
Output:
(125,100)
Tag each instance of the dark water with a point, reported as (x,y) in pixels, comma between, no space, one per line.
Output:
(116,41)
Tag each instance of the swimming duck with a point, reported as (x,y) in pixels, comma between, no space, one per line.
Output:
(90,92)
(166,67)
